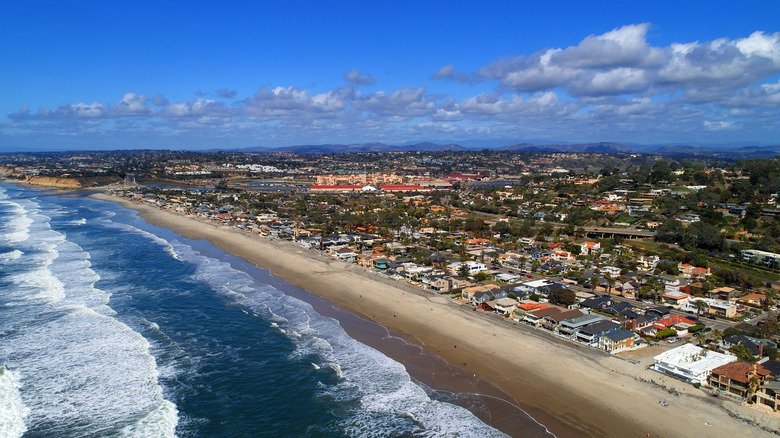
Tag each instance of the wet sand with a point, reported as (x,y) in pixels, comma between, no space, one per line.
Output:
(573,390)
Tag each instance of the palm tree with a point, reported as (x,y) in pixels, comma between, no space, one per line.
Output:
(610,283)
(593,282)
(700,305)
(656,285)
(717,335)
(753,385)
(700,338)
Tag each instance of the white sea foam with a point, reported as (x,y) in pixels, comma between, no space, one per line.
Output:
(388,400)
(91,372)
(12,408)
(153,237)
(10,255)
(39,284)
(82,372)
(17,224)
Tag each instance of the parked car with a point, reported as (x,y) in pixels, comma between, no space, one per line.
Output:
(673,340)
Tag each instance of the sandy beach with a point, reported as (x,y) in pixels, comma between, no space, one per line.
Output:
(582,392)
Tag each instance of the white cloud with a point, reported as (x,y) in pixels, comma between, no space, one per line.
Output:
(355,78)
(718,126)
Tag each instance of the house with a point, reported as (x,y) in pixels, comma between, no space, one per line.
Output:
(716,307)
(441,284)
(539,287)
(551,322)
(640,323)
(523,308)
(690,363)
(468,293)
(678,323)
(753,299)
(754,345)
(534,317)
(591,333)
(587,247)
(676,298)
(504,305)
(735,378)
(659,311)
(769,395)
(473,267)
(569,327)
(693,271)
(724,293)
(480,298)
(617,341)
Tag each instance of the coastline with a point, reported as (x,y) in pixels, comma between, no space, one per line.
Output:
(582,392)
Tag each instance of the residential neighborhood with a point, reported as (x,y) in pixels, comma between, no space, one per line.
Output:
(612,253)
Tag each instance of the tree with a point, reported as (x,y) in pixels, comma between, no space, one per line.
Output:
(564,297)
(480,276)
(700,338)
(463,270)
(700,306)
(665,333)
(610,283)
(717,335)
(742,353)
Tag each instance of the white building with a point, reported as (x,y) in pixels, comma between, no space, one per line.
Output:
(690,363)
(473,266)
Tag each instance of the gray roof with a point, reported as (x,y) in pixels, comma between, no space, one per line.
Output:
(619,335)
(582,320)
(600,327)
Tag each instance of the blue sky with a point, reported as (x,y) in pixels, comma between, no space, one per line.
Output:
(194,75)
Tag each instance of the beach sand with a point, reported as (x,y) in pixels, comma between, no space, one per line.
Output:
(573,390)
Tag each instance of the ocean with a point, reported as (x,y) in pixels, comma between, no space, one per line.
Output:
(110,327)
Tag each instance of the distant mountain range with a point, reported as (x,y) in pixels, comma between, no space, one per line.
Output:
(678,151)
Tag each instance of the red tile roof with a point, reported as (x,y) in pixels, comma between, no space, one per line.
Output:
(741,371)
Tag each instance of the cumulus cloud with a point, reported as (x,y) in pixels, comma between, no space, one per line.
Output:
(294,102)
(615,85)
(621,62)
(226,93)
(448,72)
(132,104)
(406,102)
(159,100)
(354,78)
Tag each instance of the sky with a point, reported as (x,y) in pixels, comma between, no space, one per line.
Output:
(202,74)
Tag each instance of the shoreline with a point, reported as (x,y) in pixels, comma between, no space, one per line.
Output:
(573,391)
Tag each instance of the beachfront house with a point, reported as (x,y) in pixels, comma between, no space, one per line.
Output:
(569,327)
(552,322)
(735,378)
(505,306)
(690,363)
(617,341)
(591,333)
(534,317)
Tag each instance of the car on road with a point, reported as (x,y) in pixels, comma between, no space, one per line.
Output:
(673,340)
(708,329)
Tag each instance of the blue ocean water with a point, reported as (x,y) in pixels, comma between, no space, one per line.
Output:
(110,327)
